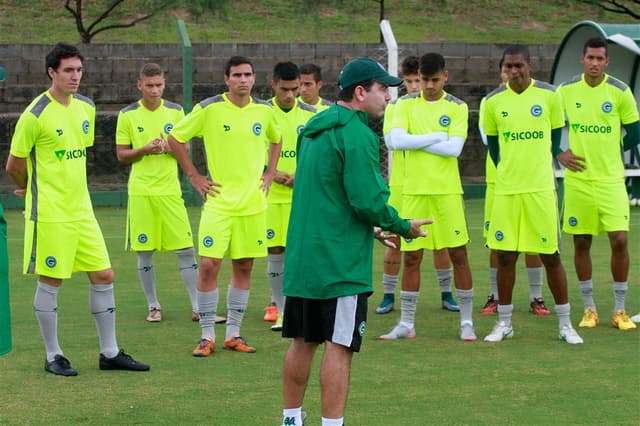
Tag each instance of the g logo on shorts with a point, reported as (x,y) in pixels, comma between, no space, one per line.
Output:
(361,328)
(270,233)
(408,240)
(168,127)
(536,110)
(51,261)
(207,241)
(607,107)
(486,225)
(257,129)
(142,238)
(573,221)
(85,126)
(444,121)
(499,235)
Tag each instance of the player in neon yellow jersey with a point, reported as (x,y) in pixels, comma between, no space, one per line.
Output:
(47,161)
(157,219)
(432,126)
(310,85)
(523,121)
(410,68)
(291,115)
(237,130)
(597,106)
(532,261)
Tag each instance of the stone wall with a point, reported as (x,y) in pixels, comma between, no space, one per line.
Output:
(111,70)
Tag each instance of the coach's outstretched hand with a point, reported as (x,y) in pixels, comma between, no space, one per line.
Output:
(415,230)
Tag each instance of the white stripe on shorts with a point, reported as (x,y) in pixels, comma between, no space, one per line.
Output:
(345,320)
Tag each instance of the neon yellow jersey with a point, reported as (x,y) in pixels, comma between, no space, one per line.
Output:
(424,172)
(137,126)
(523,124)
(396,177)
(235,140)
(291,124)
(489,167)
(595,115)
(321,105)
(53,139)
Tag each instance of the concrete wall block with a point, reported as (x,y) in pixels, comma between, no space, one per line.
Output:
(224,50)
(251,50)
(198,50)
(302,51)
(278,51)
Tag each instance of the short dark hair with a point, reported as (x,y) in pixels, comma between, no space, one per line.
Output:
(517,49)
(59,52)
(346,94)
(287,71)
(431,63)
(410,65)
(234,61)
(312,69)
(151,69)
(595,43)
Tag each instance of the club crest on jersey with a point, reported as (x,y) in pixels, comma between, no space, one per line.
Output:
(573,221)
(257,129)
(499,236)
(51,261)
(270,234)
(536,110)
(142,238)
(444,121)
(85,126)
(168,127)
(607,107)
(207,241)
(299,129)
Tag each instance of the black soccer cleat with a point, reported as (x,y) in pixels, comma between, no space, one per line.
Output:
(60,366)
(122,361)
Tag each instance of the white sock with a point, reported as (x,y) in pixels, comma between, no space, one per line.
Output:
(620,294)
(292,416)
(103,308)
(408,304)
(493,282)
(444,279)
(275,274)
(563,312)
(237,301)
(45,305)
(332,422)
(148,278)
(465,302)
(535,283)
(207,307)
(189,272)
(504,314)
(586,291)
(389,283)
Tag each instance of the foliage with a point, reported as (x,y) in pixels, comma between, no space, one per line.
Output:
(624,7)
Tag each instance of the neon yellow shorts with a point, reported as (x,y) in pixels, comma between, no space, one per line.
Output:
(488,206)
(395,197)
(57,250)
(239,237)
(449,228)
(277,224)
(526,223)
(592,208)
(157,223)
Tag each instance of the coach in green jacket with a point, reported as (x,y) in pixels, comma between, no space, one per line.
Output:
(339,196)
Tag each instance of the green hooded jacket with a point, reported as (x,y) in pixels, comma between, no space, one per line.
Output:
(339,195)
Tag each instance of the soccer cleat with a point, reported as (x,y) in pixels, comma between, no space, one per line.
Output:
(400,331)
(621,321)
(636,318)
(589,319)
(195,317)
(501,331)
(278,325)
(491,307)
(386,305)
(238,344)
(448,302)
(270,313)
(219,320)
(155,315)
(537,307)
(205,348)
(467,333)
(122,361)
(570,335)
(60,366)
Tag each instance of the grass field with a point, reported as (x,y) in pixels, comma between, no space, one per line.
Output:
(434,379)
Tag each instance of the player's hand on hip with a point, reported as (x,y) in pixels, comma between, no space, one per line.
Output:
(571,161)
(20,192)
(204,186)
(416,230)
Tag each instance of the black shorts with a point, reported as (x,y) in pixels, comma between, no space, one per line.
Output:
(340,320)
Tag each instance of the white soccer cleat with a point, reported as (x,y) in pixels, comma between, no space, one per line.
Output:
(570,335)
(467,333)
(400,331)
(636,318)
(500,332)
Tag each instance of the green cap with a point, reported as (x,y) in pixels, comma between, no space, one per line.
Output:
(363,69)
